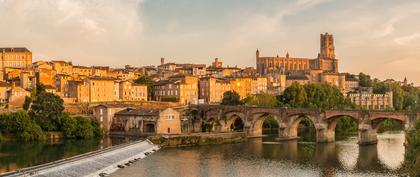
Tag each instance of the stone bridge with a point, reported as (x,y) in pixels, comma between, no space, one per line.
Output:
(224,118)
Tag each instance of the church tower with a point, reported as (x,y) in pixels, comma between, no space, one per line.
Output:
(327,46)
(257,54)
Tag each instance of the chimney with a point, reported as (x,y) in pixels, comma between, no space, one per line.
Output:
(162,61)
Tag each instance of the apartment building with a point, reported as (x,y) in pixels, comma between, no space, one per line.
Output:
(211,89)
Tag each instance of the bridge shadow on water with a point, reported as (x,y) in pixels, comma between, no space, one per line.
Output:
(343,155)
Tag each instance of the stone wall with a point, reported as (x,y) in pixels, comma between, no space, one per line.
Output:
(198,139)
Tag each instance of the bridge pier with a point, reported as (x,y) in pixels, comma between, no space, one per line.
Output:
(286,133)
(367,135)
(323,135)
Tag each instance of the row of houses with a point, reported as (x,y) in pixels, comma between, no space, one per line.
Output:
(183,83)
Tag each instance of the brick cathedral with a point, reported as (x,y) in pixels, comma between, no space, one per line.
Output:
(323,68)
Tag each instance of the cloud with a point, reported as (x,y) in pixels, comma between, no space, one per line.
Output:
(406,39)
(85,31)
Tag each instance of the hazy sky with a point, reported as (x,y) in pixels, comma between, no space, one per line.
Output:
(379,37)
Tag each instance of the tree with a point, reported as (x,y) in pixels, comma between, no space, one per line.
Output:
(27,103)
(46,110)
(295,95)
(317,95)
(365,80)
(412,153)
(84,128)
(80,127)
(146,80)
(379,87)
(231,98)
(261,99)
(397,97)
(21,125)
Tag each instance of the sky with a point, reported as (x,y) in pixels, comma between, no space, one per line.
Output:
(378,37)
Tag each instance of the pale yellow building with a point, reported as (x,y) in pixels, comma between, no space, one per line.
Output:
(77,91)
(368,100)
(45,76)
(101,89)
(169,122)
(15,58)
(212,89)
(129,91)
(101,71)
(180,88)
(246,86)
(17,96)
(62,67)
(82,71)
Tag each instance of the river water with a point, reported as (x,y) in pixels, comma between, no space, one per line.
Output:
(263,157)
(17,155)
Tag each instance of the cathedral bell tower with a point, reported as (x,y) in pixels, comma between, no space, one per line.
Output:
(327,46)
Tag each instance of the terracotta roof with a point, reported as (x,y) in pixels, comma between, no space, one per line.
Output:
(139,112)
(101,78)
(14,49)
(116,105)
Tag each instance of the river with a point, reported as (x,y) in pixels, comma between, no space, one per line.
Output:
(16,155)
(263,157)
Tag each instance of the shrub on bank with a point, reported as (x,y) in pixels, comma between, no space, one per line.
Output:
(80,127)
(412,153)
(21,125)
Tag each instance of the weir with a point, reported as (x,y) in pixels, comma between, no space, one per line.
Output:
(98,163)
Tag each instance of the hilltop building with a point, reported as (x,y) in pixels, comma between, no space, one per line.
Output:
(323,68)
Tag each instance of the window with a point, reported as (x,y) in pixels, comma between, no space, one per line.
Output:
(170,117)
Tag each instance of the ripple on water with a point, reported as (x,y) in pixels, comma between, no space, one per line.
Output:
(255,158)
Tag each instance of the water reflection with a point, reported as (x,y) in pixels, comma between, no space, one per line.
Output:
(16,155)
(259,157)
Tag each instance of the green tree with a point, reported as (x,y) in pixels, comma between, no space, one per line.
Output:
(345,125)
(46,110)
(231,98)
(27,103)
(365,80)
(317,95)
(146,80)
(69,126)
(40,88)
(21,125)
(84,128)
(397,97)
(380,87)
(412,151)
(80,127)
(295,95)
(261,99)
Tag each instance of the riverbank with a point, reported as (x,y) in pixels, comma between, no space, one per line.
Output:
(198,139)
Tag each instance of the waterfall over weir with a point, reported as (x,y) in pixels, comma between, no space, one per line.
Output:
(97,163)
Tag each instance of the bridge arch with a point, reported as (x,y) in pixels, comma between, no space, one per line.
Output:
(257,122)
(289,127)
(377,121)
(234,121)
(332,124)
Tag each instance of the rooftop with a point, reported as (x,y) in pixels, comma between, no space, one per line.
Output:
(14,49)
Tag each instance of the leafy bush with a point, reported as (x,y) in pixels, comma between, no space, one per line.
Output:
(412,153)
(231,98)
(80,127)
(21,125)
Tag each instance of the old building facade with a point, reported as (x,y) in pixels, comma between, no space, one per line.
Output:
(212,89)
